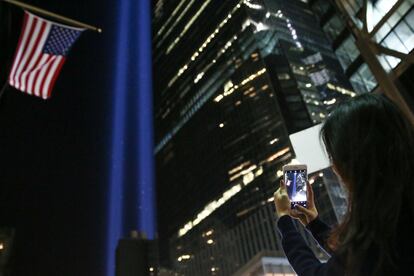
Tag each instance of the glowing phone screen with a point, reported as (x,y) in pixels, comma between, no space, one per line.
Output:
(295,181)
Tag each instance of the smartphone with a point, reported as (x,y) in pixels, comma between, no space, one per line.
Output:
(295,177)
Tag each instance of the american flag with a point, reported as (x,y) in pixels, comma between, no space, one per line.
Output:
(41,53)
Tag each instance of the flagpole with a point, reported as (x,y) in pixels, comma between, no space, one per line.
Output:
(61,18)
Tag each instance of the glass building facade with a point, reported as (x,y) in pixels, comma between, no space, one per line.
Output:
(395,32)
(233,79)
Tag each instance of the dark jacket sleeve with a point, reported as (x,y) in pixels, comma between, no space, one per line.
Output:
(320,231)
(301,257)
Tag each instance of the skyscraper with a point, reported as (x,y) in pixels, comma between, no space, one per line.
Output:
(232,80)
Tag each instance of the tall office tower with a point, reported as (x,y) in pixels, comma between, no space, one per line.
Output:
(233,79)
(390,24)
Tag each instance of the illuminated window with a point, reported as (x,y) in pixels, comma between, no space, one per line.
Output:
(394,19)
(208,40)
(393,41)
(376,11)
(171,17)
(188,25)
(388,62)
(405,33)
(347,52)
(283,76)
(362,80)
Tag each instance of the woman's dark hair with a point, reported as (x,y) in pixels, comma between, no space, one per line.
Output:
(371,145)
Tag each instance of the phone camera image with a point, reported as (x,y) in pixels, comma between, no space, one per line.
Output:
(295,182)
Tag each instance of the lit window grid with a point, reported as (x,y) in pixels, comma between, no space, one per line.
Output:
(172,16)
(253,235)
(201,48)
(249,175)
(401,37)
(187,26)
(195,104)
(347,52)
(241,84)
(363,80)
(394,19)
(376,12)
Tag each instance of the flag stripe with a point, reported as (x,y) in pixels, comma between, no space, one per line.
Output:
(39,56)
(41,75)
(41,53)
(35,74)
(56,73)
(19,52)
(33,58)
(26,50)
(18,47)
(49,76)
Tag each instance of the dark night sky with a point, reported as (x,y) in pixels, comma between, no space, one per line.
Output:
(54,155)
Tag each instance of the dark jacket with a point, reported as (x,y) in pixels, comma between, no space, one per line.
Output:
(305,263)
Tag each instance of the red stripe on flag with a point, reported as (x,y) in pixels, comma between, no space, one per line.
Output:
(56,73)
(42,85)
(36,78)
(35,71)
(22,64)
(26,16)
(39,57)
(35,47)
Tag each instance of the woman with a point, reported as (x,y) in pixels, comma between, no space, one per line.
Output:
(371,146)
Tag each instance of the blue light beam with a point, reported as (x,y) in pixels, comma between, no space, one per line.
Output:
(115,222)
(146,211)
(133,82)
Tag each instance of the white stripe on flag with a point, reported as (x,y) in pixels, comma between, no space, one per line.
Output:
(39,79)
(29,48)
(38,55)
(34,71)
(29,63)
(50,75)
(32,80)
(20,50)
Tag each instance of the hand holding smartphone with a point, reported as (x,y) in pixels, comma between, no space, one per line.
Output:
(295,178)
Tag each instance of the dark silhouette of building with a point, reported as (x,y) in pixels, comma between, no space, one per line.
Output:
(136,255)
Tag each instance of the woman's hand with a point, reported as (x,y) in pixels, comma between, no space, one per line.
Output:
(306,215)
(282,201)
